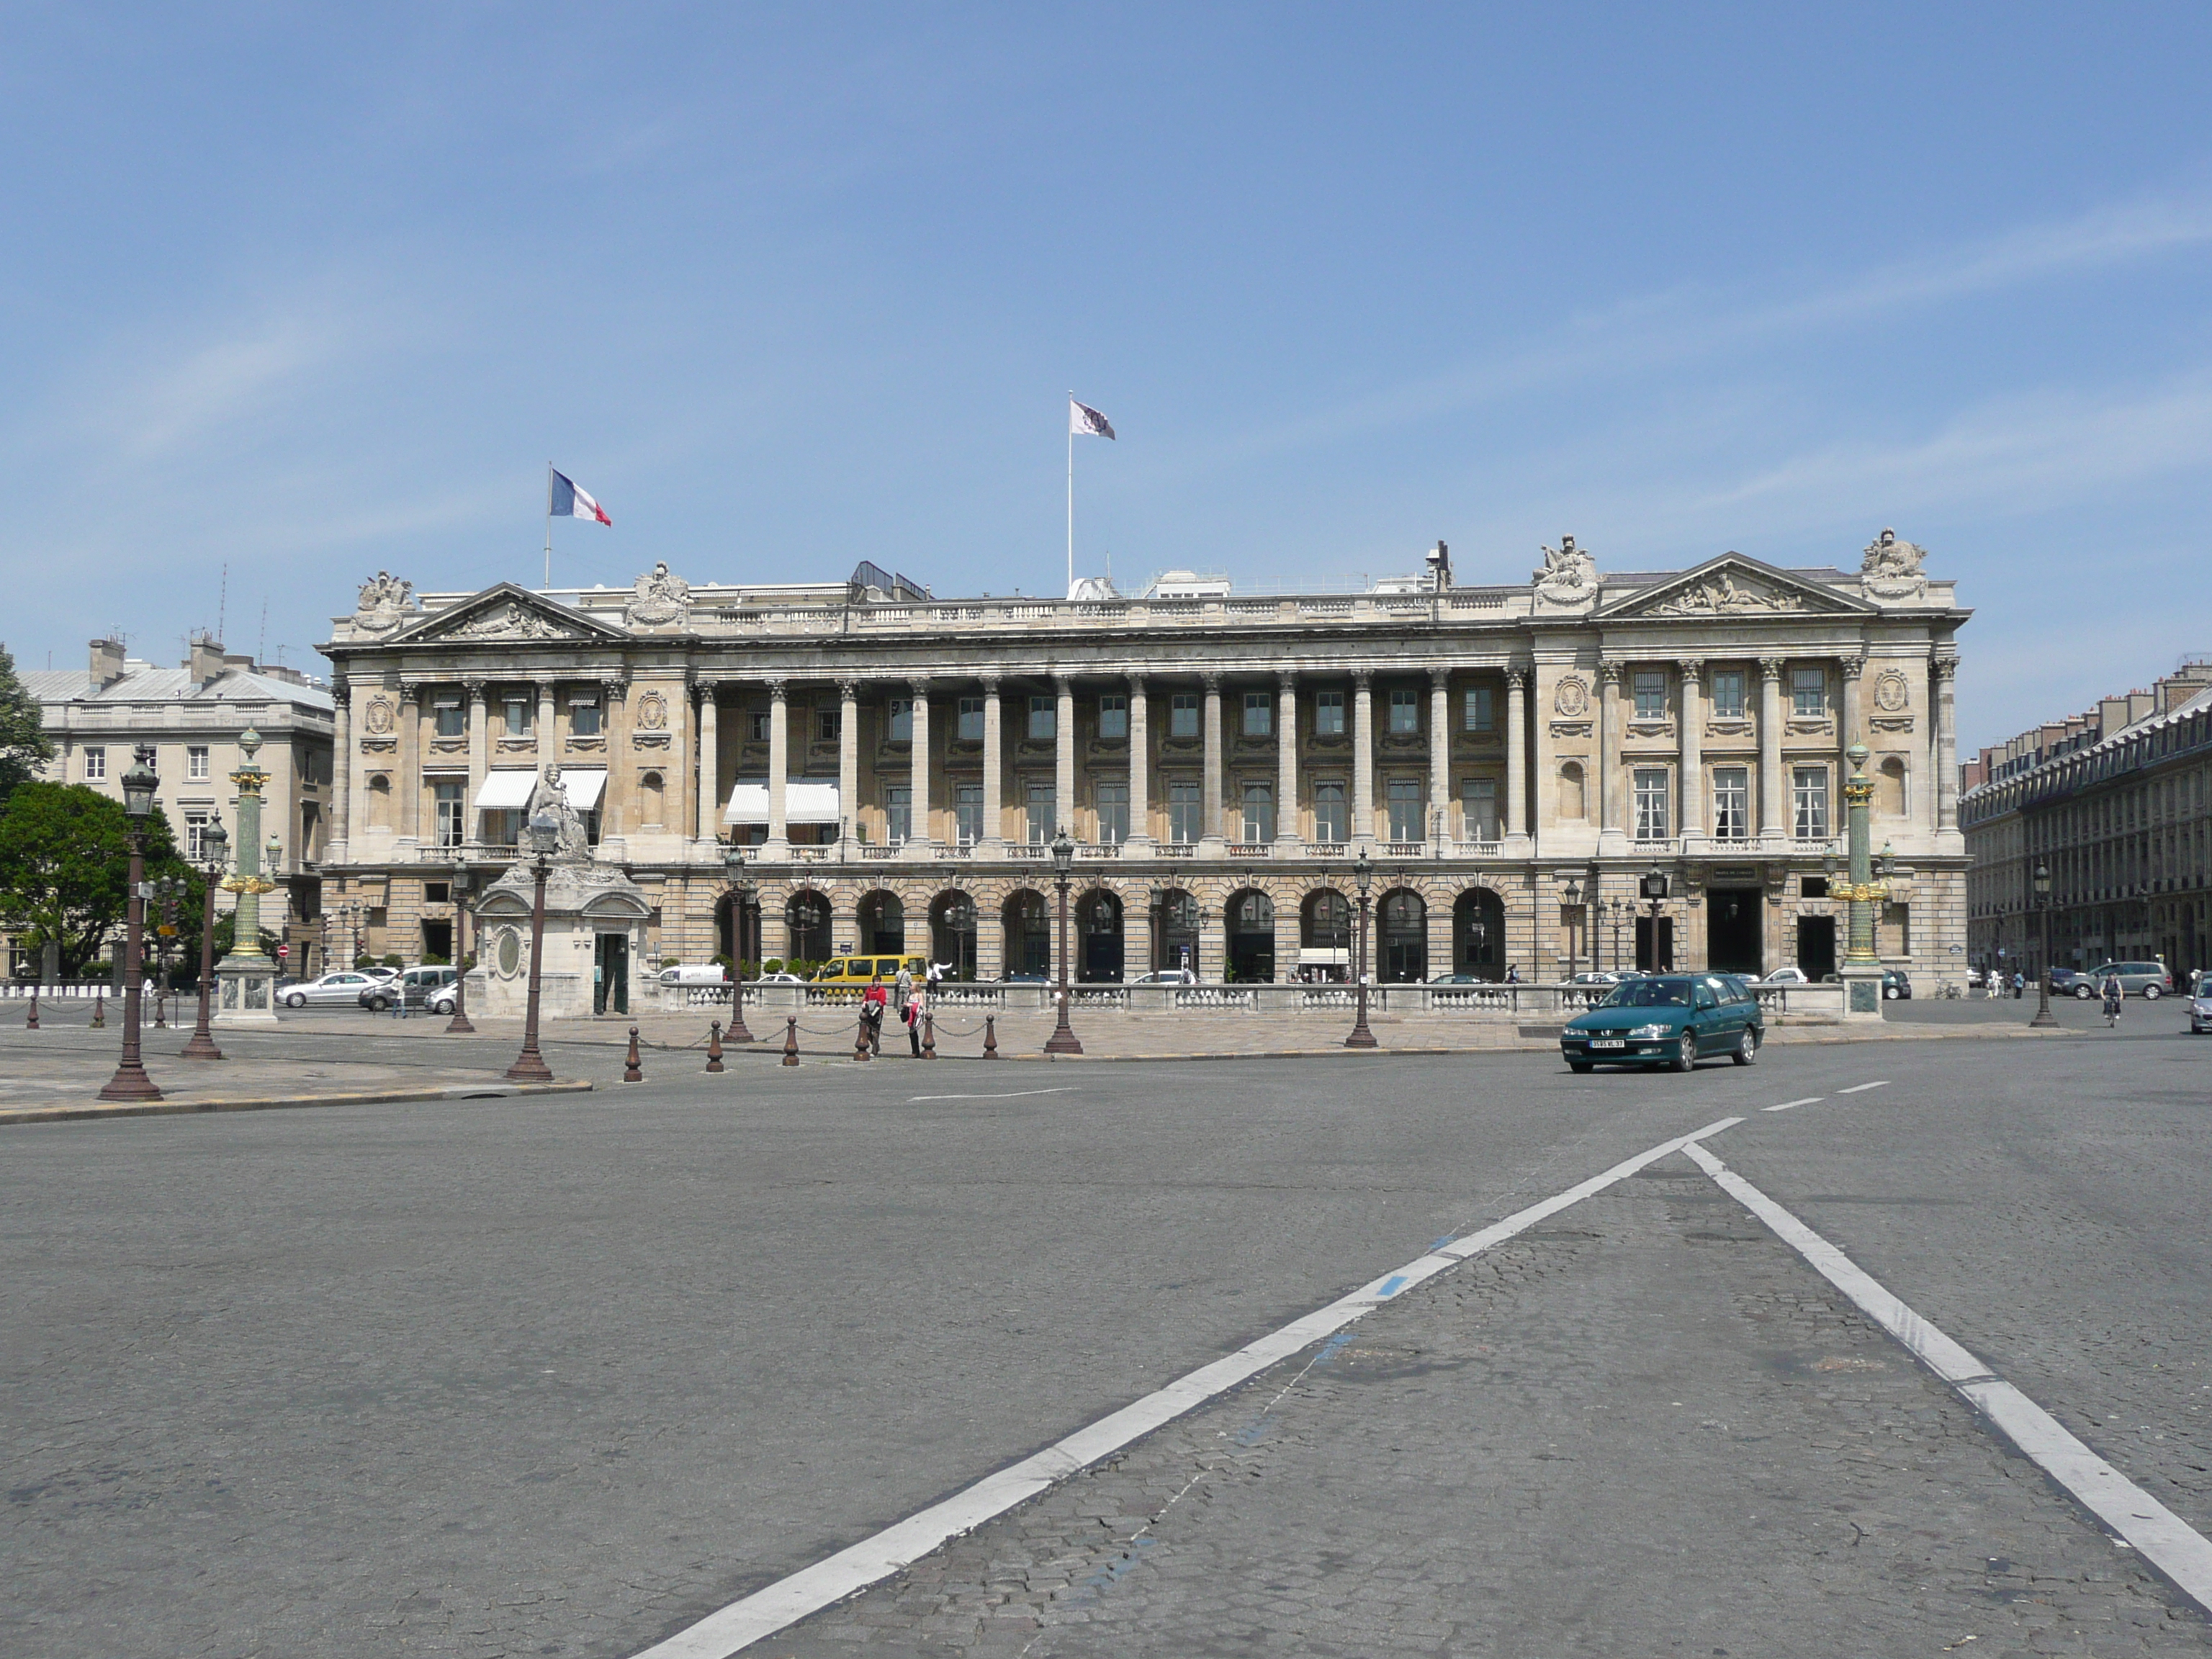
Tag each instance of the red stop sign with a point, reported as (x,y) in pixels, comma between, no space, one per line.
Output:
(283,950)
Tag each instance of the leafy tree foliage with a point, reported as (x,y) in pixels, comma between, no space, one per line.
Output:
(24,746)
(65,867)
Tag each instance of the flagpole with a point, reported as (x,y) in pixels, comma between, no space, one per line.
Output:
(1071,494)
(549,527)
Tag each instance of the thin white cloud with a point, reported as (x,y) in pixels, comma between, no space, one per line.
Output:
(251,370)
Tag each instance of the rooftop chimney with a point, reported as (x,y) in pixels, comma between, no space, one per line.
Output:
(206,659)
(1439,563)
(106,663)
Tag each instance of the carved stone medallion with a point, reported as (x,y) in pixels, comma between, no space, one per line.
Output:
(377,717)
(1571,699)
(660,597)
(1890,691)
(651,712)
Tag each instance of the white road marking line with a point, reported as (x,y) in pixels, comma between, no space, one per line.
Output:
(1861,1088)
(1787,1104)
(2179,1550)
(811,1588)
(1016,1095)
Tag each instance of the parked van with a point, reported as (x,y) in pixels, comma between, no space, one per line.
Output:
(857,971)
(712,972)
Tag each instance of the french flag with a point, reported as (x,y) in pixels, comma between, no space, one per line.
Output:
(570,502)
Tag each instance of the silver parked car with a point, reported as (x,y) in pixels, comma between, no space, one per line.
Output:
(338,990)
(2147,980)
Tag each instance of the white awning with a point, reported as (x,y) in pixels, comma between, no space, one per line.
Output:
(506,791)
(804,801)
(582,787)
(1324,956)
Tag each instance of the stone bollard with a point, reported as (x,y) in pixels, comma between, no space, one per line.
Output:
(860,1039)
(928,1036)
(100,1011)
(790,1041)
(990,1036)
(31,1023)
(631,1071)
(713,1045)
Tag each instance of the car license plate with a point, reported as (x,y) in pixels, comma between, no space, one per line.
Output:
(1608,1042)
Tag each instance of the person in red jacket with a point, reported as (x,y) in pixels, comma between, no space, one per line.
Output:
(873,1001)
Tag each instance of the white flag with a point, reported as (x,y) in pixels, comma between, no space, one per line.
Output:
(1085,422)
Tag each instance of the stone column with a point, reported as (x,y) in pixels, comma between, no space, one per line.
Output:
(1363,758)
(1140,779)
(1847,723)
(779,766)
(620,814)
(994,785)
(1690,809)
(1440,763)
(918,806)
(710,762)
(549,738)
(848,764)
(1517,758)
(1212,823)
(342,759)
(1136,933)
(1612,813)
(1286,775)
(479,714)
(409,781)
(1946,745)
(1769,747)
(1063,758)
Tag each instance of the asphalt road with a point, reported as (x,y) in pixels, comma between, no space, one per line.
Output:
(560,1377)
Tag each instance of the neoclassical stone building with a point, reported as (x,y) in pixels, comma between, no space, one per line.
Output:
(1514,759)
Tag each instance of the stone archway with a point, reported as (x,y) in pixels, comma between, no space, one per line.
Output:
(806,925)
(1401,938)
(882,918)
(952,933)
(1175,944)
(1249,919)
(1478,934)
(1098,936)
(1325,926)
(1028,921)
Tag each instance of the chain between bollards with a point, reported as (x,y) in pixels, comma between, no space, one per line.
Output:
(713,1045)
(790,1041)
(631,1070)
(990,1036)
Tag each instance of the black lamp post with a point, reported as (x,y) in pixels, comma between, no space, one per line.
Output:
(459,1025)
(2043,1014)
(530,1066)
(214,849)
(1363,874)
(131,1081)
(1617,907)
(1574,898)
(1159,901)
(733,867)
(1654,889)
(168,889)
(1063,1039)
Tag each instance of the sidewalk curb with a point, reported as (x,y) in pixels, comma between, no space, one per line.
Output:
(280,1102)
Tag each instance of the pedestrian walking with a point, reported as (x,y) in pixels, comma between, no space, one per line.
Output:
(2112,995)
(903,986)
(936,977)
(2018,985)
(1512,973)
(872,1011)
(910,1012)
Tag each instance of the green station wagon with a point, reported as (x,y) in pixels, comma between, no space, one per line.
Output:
(1671,1019)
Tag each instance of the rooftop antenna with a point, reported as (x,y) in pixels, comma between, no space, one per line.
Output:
(261,645)
(222,601)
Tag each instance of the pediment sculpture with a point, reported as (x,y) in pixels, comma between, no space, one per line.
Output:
(660,598)
(1891,568)
(1569,575)
(384,601)
(511,621)
(1721,594)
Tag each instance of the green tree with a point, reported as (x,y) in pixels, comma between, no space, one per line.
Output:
(24,746)
(65,868)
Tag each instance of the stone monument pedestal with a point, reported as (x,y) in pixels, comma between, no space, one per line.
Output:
(1862,992)
(246,991)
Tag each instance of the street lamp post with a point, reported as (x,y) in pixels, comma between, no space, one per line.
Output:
(1654,889)
(168,889)
(215,848)
(2043,1014)
(734,867)
(131,1081)
(1062,1040)
(1574,898)
(1363,874)
(459,1025)
(1618,906)
(1159,902)
(530,1066)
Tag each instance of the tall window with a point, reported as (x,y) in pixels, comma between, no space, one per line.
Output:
(1731,802)
(1259,812)
(1329,713)
(95,764)
(196,829)
(902,714)
(1329,817)
(970,726)
(1478,796)
(1404,798)
(1650,688)
(968,812)
(196,763)
(1259,714)
(1182,715)
(521,716)
(1113,813)
(453,808)
(1042,798)
(1405,710)
(1652,821)
(1809,790)
(1044,718)
(448,718)
(1809,691)
(1481,713)
(757,723)
(1728,694)
(1186,816)
(898,813)
(827,719)
(583,717)
(1113,716)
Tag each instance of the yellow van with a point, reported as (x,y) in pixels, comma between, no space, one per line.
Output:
(857,971)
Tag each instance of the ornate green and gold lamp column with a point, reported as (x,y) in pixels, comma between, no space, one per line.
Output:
(247,975)
(1862,962)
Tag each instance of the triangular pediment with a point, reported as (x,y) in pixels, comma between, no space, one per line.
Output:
(1731,587)
(507,615)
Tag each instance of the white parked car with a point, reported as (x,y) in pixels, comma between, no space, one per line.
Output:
(338,990)
(1788,976)
(1167,976)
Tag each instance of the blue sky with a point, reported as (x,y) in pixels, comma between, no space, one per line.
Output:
(790,287)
